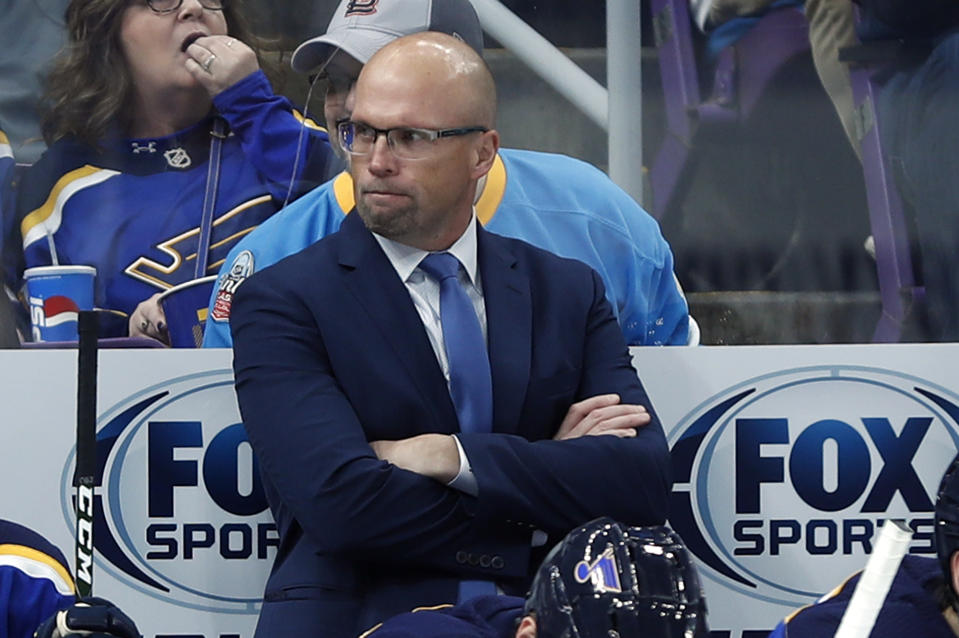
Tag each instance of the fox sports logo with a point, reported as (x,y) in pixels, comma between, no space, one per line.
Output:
(781,483)
(180,511)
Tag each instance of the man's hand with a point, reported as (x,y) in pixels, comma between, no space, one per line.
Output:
(602,414)
(431,455)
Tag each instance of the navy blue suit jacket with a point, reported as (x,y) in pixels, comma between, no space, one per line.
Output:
(329,353)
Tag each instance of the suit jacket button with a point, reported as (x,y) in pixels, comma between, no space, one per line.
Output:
(497,562)
(461,557)
(485,560)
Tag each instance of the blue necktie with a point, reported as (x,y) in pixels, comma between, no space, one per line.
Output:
(471,384)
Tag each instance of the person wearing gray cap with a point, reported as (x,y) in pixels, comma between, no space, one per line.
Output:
(360,29)
(552,201)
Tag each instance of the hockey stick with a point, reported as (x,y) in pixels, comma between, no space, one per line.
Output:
(84,477)
(875,581)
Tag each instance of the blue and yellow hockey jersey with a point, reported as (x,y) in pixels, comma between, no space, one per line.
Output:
(132,209)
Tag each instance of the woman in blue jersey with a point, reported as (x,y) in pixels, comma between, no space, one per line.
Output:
(159,117)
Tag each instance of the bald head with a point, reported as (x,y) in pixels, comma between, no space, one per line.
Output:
(435,65)
(432,82)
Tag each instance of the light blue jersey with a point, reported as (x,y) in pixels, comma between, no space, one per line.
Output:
(551,201)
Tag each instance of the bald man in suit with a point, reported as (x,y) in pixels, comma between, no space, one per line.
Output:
(388,493)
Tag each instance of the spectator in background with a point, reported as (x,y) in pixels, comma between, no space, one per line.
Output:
(918,95)
(603,579)
(916,113)
(831,28)
(552,201)
(159,117)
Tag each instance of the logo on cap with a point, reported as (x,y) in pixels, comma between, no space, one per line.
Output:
(361,7)
(603,572)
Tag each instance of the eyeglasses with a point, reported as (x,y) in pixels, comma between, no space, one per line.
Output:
(406,143)
(169,6)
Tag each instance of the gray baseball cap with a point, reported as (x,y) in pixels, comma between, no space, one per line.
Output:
(363,27)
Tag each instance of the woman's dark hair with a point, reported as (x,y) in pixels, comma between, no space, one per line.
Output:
(89,88)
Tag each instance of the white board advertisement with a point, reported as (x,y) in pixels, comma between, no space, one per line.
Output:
(786,462)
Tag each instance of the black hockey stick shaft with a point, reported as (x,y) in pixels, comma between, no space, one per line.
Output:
(86,467)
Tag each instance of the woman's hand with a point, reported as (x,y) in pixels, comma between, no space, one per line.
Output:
(220,61)
(148,320)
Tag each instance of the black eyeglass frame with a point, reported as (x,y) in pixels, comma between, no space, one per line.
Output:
(180,4)
(431,134)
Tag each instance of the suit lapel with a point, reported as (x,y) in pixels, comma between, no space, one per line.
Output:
(509,321)
(372,280)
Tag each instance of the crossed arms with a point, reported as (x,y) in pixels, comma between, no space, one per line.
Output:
(310,406)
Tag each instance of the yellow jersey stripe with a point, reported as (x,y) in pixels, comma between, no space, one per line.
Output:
(308,122)
(38,565)
(46,219)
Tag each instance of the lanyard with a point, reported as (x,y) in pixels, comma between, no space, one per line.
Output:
(217,135)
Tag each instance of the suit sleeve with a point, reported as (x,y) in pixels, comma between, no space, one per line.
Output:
(314,456)
(556,485)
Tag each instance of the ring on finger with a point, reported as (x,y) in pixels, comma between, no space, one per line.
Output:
(209,61)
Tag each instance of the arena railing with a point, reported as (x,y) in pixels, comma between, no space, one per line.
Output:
(619,111)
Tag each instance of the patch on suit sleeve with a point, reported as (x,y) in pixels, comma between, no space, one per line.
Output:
(240,269)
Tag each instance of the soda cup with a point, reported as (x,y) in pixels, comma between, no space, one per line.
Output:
(55,295)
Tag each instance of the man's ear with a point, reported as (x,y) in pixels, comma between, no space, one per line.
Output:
(527,628)
(485,150)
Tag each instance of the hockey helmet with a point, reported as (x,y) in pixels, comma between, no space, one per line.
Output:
(947,518)
(607,580)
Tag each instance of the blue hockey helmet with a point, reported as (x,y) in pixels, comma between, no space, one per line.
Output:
(608,580)
(947,519)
